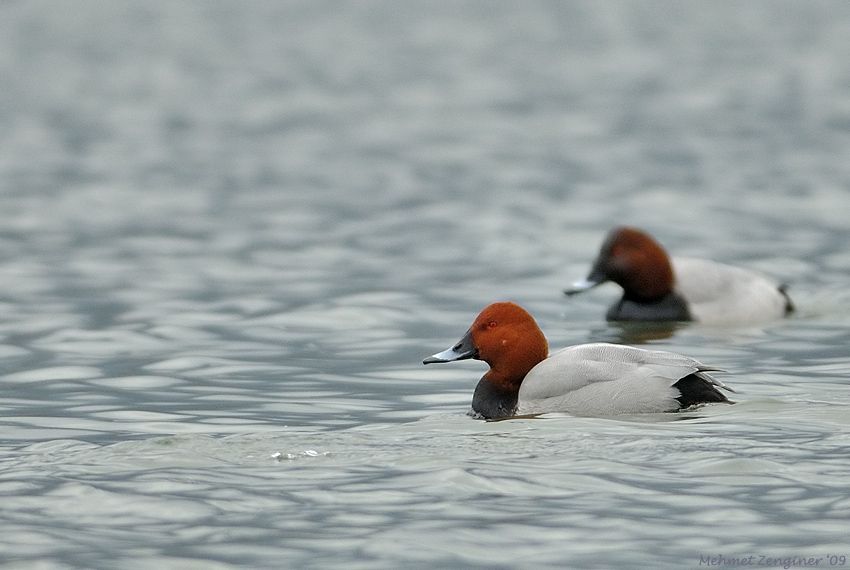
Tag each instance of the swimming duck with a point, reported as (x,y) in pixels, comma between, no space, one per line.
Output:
(597,379)
(656,288)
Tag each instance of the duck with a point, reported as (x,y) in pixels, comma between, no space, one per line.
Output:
(658,288)
(595,379)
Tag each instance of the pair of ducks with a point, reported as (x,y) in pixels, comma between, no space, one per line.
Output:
(602,379)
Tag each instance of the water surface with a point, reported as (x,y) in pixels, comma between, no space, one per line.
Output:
(230,233)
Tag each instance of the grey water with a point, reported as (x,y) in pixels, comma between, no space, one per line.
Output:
(230,232)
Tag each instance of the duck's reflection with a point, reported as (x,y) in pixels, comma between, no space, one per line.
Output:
(631,332)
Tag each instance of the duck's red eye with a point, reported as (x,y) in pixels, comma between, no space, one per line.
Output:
(491,325)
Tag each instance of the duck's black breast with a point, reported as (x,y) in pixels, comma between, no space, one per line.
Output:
(491,402)
(671,307)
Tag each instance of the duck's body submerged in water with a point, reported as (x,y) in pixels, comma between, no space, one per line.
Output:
(589,379)
(657,288)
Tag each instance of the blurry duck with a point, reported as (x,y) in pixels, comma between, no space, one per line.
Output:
(656,288)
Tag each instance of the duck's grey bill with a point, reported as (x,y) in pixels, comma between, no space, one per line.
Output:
(580,286)
(461,351)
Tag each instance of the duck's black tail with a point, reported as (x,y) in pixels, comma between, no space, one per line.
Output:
(696,389)
(789,305)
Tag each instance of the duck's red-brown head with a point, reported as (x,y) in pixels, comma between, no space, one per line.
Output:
(633,260)
(505,336)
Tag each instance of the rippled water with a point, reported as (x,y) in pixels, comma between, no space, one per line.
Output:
(231,232)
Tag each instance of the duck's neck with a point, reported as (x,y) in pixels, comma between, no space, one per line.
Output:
(649,284)
(492,401)
(518,351)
